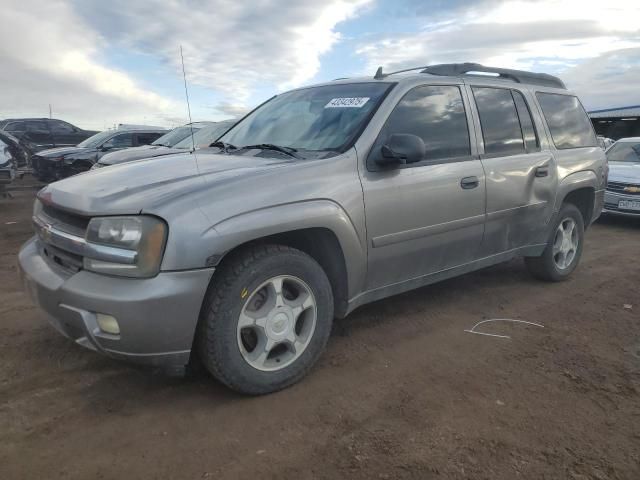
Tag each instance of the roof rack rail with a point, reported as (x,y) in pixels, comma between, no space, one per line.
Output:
(519,76)
(458,69)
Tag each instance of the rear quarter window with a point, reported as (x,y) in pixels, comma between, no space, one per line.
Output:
(568,122)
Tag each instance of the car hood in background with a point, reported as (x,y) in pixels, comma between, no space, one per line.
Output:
(137,153)
(146,185)
(624,172)
(63,151)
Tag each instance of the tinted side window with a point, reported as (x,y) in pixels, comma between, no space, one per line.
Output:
(436,114)
(120,141)
(60,128)
(499,121)
(531,142)
(15,127)
(36,125)
(568,122)
(147,138)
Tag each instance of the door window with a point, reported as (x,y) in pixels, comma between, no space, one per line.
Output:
(436,114)
(124,140)
(16,127)
(60,128)
(146,138)
(568,122)
(499,121)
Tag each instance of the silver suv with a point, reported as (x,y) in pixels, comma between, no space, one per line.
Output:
(322,199)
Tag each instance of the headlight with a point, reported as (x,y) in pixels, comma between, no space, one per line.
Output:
(144,235)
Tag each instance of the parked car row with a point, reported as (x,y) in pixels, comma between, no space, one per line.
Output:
(321,200)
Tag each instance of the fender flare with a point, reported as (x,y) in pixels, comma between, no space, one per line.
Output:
(572,182)
(234,231)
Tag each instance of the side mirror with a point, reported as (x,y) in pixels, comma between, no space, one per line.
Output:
(105,148)
(400,149)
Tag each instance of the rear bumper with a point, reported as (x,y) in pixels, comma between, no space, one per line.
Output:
(611,201)
(157,316)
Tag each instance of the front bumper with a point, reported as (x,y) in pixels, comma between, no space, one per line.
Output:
(157,316)
(611,201)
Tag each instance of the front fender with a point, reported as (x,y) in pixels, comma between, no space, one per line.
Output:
(240,229)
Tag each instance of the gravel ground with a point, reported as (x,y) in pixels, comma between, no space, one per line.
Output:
(402,391)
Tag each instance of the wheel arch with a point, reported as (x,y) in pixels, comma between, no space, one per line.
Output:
(322,229)
(579,189)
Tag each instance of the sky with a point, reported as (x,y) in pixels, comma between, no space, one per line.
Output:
(99,63)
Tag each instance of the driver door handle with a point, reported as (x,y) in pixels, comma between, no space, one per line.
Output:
(468,183)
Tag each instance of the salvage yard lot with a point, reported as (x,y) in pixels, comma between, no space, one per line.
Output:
(401,392)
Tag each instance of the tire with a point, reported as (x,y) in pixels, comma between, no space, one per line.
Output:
(548,266)
(246,285)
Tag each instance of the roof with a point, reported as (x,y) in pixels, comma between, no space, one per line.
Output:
(631,111)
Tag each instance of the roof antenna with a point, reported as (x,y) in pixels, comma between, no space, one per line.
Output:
(379,75)
(186,93)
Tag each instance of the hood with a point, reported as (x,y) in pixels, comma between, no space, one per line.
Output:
(137,153)
(624,172)
(62,151)
(146,185)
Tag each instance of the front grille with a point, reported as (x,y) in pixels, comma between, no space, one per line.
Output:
(618,187)
(65,221)
(68,261)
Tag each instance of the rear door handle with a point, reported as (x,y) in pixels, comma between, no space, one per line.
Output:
(469,182)
(542,171)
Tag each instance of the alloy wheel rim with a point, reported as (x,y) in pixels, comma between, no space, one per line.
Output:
(565,243)
(276,323)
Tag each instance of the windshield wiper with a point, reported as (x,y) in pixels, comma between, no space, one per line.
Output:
(160,145)
(276,148)
(225,147)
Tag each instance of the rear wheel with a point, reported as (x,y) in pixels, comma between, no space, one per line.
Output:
(266,319)
(564,247)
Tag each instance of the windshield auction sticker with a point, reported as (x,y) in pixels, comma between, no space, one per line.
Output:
(351,102)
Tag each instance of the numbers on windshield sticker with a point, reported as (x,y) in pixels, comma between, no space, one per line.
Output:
(350,102)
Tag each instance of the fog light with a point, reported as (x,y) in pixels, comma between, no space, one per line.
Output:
(108,324)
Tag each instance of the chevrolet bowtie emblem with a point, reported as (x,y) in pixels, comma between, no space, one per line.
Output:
(632,189)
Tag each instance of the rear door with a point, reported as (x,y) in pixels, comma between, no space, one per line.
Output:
(427,216)
(521,173)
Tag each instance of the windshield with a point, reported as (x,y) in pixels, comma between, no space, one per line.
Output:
(205,136)
(624,152)
(95,140)
(174,136)
(318,118)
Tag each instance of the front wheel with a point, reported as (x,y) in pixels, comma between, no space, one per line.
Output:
(266,319)
(564,247)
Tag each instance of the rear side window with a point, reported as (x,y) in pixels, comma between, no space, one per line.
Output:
(16,127)
(147,138)
(568,122)
(499,121)
(531,142)
(60,128)
(36,126)
(436,114)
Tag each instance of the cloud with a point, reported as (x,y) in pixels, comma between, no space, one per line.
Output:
(53,51)
(232,47)
(49,57)
(519,34)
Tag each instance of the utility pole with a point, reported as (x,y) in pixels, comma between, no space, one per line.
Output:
(50,111)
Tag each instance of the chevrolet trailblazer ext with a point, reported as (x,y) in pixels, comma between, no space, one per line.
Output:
(320,200)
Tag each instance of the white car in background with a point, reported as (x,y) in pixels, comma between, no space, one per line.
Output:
(622,196)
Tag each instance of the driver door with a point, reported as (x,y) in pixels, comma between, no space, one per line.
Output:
(428,216)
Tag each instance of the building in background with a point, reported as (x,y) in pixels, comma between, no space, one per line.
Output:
(617,123)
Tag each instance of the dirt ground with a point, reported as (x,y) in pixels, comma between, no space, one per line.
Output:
(401,392)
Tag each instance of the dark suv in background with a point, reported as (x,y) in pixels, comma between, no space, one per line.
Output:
(37,134)
(57,163)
